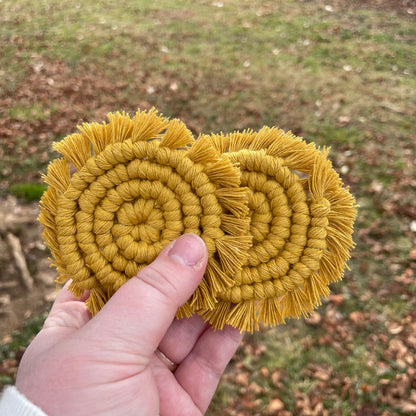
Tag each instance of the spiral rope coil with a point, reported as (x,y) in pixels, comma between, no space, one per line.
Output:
(274,215)
(145,182)
(301,220)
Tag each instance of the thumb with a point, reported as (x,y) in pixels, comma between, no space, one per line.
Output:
(141,311)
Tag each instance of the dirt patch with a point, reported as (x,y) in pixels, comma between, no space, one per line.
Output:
(407,7)
(27,285)
(50,101)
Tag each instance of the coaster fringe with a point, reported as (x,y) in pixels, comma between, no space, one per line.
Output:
(95,301)
(184,311)
(243,316)
(119,127)
(176,136)
(314,250)
(58,176)
(240,140)
(265,137)
(232,252)
(96,134)
(147,125)
(295,304)
(220,173)
(218,279)
(220,142)
(275,216)
(76,149)
(202,298)
(217,317)
(316,288)
(119,163)
(235,226)
(270,312)
(234,200)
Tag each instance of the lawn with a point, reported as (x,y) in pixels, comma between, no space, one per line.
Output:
(341,74)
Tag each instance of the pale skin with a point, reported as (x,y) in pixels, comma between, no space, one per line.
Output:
(106,365)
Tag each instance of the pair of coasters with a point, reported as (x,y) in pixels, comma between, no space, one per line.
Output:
(274,215)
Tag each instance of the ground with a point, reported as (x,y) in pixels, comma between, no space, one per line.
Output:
(19,299)
(341,74)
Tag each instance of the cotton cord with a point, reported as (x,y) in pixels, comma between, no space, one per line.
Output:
(274,214)
(139,184)
(301,220)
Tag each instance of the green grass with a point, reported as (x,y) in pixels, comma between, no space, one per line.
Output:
(22,337)
(19,340)
(343,78)
(259,48)
(28,191)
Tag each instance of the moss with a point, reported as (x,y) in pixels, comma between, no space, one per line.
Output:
(28,191)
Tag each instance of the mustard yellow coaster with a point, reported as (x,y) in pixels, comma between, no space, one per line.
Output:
(274,214)
(301,223)
(126,188)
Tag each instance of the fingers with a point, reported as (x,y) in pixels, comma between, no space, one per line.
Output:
(201,371)
(65,295)
(68,311)
(173,399)
(187,330)
(140,312)
(67,315)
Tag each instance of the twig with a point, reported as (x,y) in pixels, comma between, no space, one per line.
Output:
(19,258)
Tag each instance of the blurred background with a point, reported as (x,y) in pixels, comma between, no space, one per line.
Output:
(339,73)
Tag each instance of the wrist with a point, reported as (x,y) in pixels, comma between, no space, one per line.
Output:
(13,402)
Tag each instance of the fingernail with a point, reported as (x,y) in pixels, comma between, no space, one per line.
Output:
(188,249)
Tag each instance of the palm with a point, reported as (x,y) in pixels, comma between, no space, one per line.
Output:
(113,378)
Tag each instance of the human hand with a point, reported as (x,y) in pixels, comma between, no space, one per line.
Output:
(107,365)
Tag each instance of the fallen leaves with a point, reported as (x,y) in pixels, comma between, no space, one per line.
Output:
(384,376)
(49,102)
(399,393)
(315,319)
(274,406)
(320,372)
(358,349)
(357,317)
(8,368)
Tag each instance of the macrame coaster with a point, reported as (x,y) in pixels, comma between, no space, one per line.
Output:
(301,222)
(274,214)
(125,189)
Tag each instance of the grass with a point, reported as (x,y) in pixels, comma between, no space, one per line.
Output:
(20,338)
(343,77)
(12,349)
(28,191)
(30,113)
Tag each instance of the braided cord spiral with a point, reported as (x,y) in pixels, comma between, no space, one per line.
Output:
(301,222)
(273,213)
(134,196)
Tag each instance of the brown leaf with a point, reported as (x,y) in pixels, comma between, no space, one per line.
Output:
(411,341)
(408,407)
(406,278)
(394,328)
(264,372)
(255,388)
(242,378)
(337,300)
(315,319)
(397,349)
(274,406)
(357,317)
(322,373)
(367,388)
(277,378)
